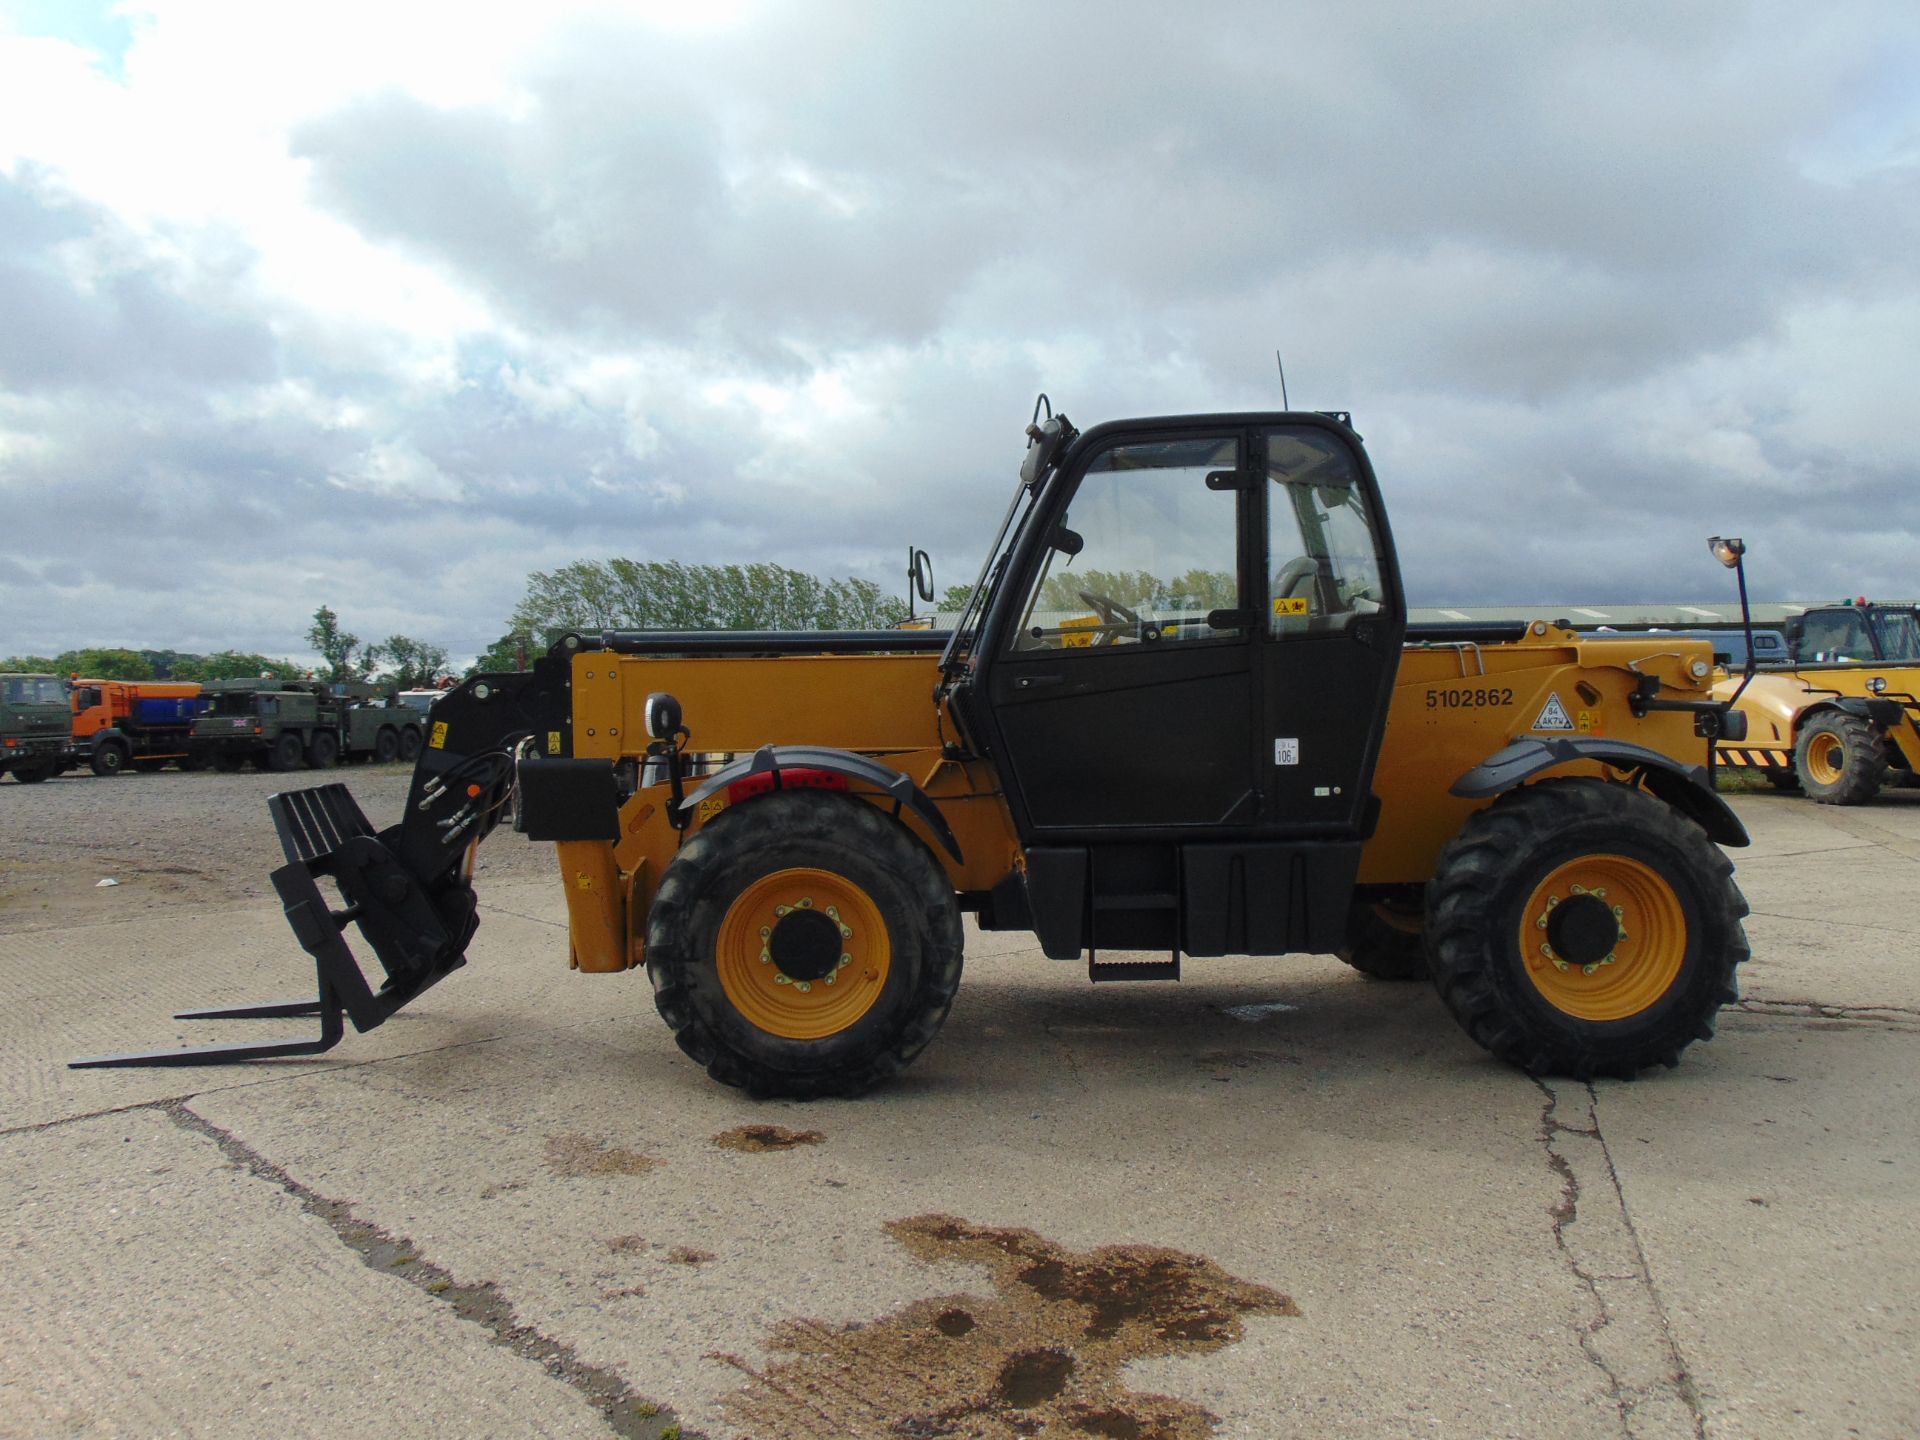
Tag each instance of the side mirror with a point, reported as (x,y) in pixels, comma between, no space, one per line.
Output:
(1067,542)
(1726,551)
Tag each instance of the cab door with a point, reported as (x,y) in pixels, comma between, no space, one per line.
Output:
(1333,625)
(1123,689)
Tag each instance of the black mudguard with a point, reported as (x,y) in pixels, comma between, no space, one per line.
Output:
(1687,788)
(1887,714)
(775,758)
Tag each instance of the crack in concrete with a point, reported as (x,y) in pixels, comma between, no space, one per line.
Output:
(1864,829)
(627,1414)
(522,915)
(1067,1052)
(1892,1015)
(1829,922)
(1647,1378)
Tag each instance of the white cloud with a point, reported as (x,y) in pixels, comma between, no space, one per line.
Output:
(433,295)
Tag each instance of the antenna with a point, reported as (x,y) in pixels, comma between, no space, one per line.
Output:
(1283,380)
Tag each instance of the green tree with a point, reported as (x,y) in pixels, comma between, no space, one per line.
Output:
(336,646)
(234,665)
(99,664)
(1195,592)
(407,664)
(515,650)
(591,595)
(29,664)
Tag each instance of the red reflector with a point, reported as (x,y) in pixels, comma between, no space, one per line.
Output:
(802,778)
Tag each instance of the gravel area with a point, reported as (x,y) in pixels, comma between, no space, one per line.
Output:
(170,838)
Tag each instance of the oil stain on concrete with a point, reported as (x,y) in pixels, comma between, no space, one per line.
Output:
(576,1156)
(753,1139)
(1041,1355)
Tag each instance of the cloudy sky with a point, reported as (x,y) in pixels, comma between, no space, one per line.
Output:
(383,306)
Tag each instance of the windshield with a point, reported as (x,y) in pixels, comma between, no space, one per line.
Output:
(35,690)
(966,629)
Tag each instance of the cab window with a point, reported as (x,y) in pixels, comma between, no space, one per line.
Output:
(1146,553)
(1323,549)
(1836,635)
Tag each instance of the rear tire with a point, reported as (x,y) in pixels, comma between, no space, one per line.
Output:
(742,938)
(1386,940)
(409,743)
(108,759)
(386,747)
(1783,780)
(228,761)
(322,750)
(1581,927)
(1840,759)
(286,753)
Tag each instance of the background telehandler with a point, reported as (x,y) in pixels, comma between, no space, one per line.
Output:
(1837,720)
(1180,716)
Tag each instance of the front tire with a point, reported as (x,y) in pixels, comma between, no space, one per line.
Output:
(803,945)
(1581,927)
(108,759)
(1840,759)
(409,743)
(32,774)
(322,750)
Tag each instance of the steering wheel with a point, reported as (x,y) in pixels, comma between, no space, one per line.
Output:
(1114,617)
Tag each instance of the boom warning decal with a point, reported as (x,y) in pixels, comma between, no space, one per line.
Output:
(1553,716)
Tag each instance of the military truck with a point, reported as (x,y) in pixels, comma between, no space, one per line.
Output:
(375,725)
(35,726)
(285,724)
(138,724)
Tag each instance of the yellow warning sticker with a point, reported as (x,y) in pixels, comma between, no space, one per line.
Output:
(439,740)
(1592,722)
(1290,605)
(1078,633)
(583,881)
(553,742)
(707,809)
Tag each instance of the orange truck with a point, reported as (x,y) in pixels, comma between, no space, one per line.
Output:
(143,724)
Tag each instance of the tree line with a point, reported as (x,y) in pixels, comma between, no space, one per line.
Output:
(399,662)
(594,595)
(585,596)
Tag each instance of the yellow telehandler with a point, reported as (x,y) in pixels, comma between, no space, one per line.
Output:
(1181,716)
(1836,720)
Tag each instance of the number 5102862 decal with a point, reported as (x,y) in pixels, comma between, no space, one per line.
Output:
(1474,698)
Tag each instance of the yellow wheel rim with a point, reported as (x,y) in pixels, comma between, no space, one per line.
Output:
(803,953)
(1826,759)
(1604,937)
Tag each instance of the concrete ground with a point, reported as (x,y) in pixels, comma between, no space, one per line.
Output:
(1276,1199)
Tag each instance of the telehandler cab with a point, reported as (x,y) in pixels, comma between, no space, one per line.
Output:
(1180,714)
